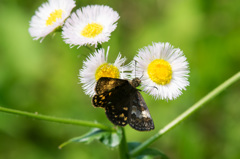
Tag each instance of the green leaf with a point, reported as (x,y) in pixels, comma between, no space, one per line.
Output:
(148,153)
(111,139)
(108,138)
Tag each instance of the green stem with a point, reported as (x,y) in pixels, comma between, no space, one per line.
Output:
(123,147)
(186,114)
(99,46)
(55,119)
(89,48)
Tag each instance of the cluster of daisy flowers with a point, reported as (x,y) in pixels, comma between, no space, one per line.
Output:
(163,69)
(89,25)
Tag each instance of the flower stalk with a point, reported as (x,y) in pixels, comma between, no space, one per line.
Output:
(123,147)
(56,119)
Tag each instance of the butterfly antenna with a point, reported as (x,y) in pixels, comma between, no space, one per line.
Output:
(136,71)
(135,68)
(142,75)
(121,74)
(155,87)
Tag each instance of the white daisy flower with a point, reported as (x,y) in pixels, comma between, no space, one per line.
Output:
(162,69)
(90,25)
(96,66)
(50,16)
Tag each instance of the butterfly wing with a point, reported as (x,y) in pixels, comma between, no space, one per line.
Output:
(117,109)
(114,96)
(101,100)
(106,84)
(123,104)
(106,90)
(139,116)
(117,113)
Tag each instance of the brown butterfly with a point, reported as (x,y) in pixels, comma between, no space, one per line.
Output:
(123,103)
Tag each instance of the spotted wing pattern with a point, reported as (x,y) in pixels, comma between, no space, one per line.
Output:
(139,115)
(123,103)
(101,100)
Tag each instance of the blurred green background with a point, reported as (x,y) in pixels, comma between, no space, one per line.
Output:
(43,78)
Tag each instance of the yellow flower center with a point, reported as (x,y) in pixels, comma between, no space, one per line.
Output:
(92,30)
(107,70)
(57,14)
(160,71)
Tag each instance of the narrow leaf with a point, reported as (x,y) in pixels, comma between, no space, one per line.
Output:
(147,153)
(108,138)
(86,138)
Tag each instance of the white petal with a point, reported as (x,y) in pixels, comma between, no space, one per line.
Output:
(103,15)
(38,28)
(179,66)
(91,64)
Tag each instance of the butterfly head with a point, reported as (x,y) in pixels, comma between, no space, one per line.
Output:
(135,82)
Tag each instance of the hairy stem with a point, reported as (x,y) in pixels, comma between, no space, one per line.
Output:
(186,114)
(55,119)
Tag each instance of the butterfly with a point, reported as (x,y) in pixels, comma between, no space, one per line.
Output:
(123,103)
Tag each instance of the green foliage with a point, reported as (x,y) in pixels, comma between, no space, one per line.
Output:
(108,138)
(148,153)
(42,77)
